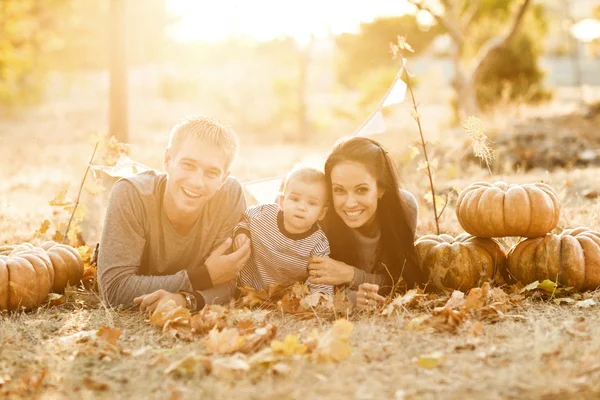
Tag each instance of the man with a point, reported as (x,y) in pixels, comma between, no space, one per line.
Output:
(168,235)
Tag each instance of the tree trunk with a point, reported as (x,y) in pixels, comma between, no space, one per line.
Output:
(118,101)
(466,95)
(304,127)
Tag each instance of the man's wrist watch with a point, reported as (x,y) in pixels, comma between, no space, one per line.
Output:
(190,301)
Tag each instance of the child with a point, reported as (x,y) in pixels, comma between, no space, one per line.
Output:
(283,239)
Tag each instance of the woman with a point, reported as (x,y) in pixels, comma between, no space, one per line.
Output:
(370,224)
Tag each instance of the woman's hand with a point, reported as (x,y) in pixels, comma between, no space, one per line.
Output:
(149,302)
(367,295)
(326,271)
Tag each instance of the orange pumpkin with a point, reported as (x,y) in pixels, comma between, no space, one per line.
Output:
(459,263)
(67,263)
(499,209)
(571,258)
(26,277)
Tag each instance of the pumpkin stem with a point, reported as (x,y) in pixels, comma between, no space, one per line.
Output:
(79,194)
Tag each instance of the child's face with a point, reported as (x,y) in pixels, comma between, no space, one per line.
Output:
(304,203)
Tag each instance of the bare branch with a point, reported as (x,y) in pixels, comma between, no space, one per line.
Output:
(500,40)
(452,26)
(469,15)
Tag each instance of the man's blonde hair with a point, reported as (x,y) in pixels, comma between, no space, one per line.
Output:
(208,130)
(307,175)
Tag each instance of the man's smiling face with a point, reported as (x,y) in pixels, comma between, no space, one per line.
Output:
(196,171)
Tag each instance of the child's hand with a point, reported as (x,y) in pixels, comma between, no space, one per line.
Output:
(239,241)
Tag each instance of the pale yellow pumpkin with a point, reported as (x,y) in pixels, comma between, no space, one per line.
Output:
(499,209)
(67,263)
(571,258)
(459,263)
(26,278)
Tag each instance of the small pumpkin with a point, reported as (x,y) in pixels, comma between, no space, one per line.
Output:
(459,263)
(571,258)
(67,263)
(501,209)
(26,278)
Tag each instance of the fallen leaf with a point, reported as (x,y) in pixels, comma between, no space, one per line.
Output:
(281,368)
(95,385)
(229,366)
(562,300)
(332,346)
(189,365)
(208,318)
(226,341)
(109,335)
(258,339)
(167,310)
(404,301)
(290,346)
(55,299)
(585,303)
(430,361)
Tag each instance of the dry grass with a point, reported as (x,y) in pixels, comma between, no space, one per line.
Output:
(551,353)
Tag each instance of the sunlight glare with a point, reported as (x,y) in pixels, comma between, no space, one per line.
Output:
(268,19)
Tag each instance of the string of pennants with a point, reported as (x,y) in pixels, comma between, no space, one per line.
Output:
(265,190)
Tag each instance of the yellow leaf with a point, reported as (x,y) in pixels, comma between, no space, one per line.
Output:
(414,151)
(290,346)
(43,228)
(85,252)
(58,237)
(60,200)
(333,344)
(547,285)
(80,213)
(422,165)
(93,187)
(430,361)
(74,229)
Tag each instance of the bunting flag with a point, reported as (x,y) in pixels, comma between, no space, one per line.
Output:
(267,190)
(262,191)
(396,94)
(124,167)
(374,125)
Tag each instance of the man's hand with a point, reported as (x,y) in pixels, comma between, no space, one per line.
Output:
(239,241)
(149,302)
(224,268)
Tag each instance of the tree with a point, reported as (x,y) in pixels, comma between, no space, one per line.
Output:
(28,34)
(364,61)
(473,63)
(118,104)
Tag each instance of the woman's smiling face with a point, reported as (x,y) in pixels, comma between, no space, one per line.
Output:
(355,193)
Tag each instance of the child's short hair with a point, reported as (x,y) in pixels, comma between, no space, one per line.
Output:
(305,174)
(210,131)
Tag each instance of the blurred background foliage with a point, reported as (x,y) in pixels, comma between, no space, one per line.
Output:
(297,89)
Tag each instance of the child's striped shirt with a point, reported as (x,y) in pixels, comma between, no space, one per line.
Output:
(279,257)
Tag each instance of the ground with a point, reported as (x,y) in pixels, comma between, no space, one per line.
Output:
(537,350)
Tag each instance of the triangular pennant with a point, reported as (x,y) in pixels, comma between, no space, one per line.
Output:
(263,191)
(124,167)
(372,126)
(396,94)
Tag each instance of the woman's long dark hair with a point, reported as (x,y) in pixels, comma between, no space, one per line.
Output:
(397,236)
